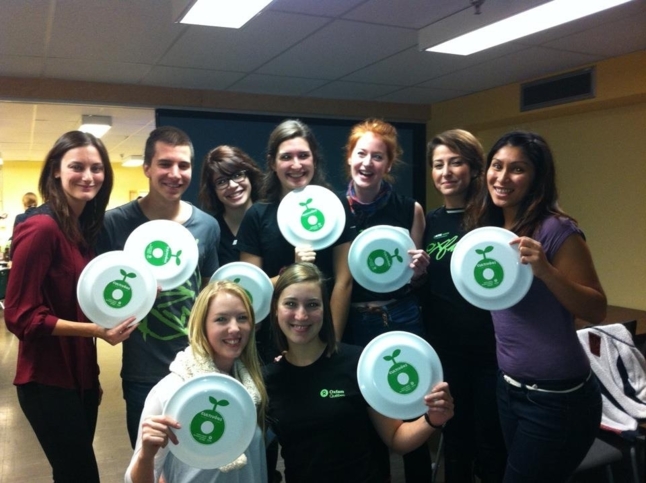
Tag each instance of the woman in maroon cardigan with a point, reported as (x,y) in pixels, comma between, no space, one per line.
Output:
(57,375)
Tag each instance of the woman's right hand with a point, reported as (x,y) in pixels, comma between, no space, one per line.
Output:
(121,332)
(156,431)
(304,253)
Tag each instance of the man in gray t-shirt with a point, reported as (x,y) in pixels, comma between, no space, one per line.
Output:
(151,348)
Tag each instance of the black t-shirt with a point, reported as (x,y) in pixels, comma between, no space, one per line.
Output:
(453,325)
(321,419)
(228,249)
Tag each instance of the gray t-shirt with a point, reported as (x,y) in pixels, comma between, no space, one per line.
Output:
(151,348)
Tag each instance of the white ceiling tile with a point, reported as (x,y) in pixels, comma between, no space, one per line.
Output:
(190,78)
(267,84)
(21,66)
(327,8)
(412,13)
(341,48)
(265,37)
(23,27)
(128,31)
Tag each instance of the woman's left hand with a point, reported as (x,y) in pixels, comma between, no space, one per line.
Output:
(531,252)
(419,262)
(440,404)
(304,253)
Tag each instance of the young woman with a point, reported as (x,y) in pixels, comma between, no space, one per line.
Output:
(461,334)
(221,331)
(228,187)
(324,425)
(57,375)
(372,152)
(293,161)
(549,403)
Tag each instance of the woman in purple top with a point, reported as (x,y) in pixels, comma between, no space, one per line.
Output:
(549,402)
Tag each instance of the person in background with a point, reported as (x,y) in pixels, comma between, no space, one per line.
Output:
(228,187)
(293,161)
(548,399)
(372,152)
(57,374)
(222,331)
(461,334)
(327,437)
(29,203)
(168,163)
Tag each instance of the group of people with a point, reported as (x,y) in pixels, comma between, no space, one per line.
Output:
(526,405)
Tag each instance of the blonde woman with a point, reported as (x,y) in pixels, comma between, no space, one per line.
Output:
(222,340)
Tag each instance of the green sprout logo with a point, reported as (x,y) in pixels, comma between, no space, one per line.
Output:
(402,377)
(237,280)
(158,253)
(118,293)
(488,272)
(311,219)
(380,261)
(207,426)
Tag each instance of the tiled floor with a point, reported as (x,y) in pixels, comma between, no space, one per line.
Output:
(21,458)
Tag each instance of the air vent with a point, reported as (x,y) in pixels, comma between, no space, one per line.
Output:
(560,89)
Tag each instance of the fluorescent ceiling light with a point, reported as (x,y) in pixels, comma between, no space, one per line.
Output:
(96,125)
(133,161)
(223,13)
(531,21)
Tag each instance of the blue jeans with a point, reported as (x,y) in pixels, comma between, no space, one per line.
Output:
(135,394)
(547,434)
(366,324)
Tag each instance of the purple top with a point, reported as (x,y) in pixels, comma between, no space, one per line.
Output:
(536,338)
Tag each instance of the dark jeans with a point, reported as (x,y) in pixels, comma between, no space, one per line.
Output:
(64,421)
(473,442)
(135,394)
(547,434)
(366,324)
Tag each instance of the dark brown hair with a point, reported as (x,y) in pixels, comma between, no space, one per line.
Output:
(168,135)
(51,190)
(225,161)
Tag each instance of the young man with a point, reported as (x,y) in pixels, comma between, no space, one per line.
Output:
(162,333)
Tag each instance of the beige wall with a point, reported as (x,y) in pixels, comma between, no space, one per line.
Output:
(600,151)
(21,177)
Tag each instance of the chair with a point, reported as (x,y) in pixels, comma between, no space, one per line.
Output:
(4,277)
(601,454)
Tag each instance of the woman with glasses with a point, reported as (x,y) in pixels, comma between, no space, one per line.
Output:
(228,187)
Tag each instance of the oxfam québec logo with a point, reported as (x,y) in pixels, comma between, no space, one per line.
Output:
(118,293)
(380,261)
(237,280)
(402,377)
(324,393)
(158,253)
(207,426)
(312,219)
(488,272)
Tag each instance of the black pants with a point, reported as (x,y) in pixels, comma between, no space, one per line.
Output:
(64,421)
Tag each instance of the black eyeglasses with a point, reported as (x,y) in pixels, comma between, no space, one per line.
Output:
(222,183)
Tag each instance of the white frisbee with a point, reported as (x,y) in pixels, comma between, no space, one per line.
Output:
(395,371)
(486,269)
(169,249)
(115,286)
(379,259)
(312,215)
(218,419)
(253,280)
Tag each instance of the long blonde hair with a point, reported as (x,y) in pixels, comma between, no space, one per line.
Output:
(200,344)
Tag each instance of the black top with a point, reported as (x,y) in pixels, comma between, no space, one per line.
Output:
(321,419)
(228,249)
(453,325)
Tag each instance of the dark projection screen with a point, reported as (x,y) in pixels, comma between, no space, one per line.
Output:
(251,132)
